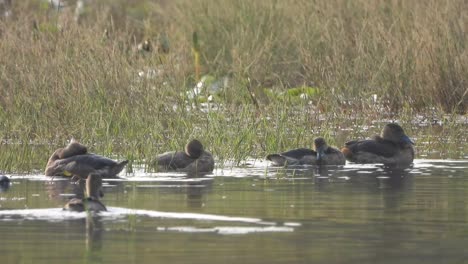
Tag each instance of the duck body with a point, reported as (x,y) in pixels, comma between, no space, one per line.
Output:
(393,147)
(299,156)
(180,161)
(82,205)
(82,165)
(74,160)
(193,160)
(323,155)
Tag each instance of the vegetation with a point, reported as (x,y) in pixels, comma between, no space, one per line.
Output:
(245,77)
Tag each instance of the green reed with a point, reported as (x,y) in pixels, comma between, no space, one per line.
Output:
(357,62)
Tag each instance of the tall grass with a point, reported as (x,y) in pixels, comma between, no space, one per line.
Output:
(368,60)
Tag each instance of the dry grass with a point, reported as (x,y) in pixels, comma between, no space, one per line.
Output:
(60,78)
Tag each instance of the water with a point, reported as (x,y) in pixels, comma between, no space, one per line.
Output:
(249,214)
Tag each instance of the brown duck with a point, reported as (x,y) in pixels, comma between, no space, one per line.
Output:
(193,160)
(74,160)
(392,147)
(93,193)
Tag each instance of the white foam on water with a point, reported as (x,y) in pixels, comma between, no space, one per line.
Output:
(169,186)
(49,214)
(227,230)
(292,224)
(116,213)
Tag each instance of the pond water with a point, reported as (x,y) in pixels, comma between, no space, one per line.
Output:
(249,214)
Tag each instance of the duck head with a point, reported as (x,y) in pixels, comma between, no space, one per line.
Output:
(320,146)
(194,149)
(4,182)
(395,133)
(72,149)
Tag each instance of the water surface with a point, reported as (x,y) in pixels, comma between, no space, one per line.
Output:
(252,214)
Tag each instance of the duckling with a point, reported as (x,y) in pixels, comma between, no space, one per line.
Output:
(74,160)
(392,147)
(91,202)
(193,160)
(323,155)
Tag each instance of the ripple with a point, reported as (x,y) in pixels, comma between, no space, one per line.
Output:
(261,169)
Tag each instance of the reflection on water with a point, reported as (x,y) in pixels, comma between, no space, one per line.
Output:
(254,213)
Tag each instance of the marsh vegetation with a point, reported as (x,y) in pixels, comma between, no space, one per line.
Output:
(247,78)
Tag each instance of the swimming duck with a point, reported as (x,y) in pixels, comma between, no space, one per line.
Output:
(74,160)
(193,160)
(4,182)
(323,155)
(93,193)
(393,146)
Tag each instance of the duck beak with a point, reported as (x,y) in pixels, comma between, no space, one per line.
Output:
(406,139)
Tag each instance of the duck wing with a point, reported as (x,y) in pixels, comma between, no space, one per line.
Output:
(331,150)
(82,165)
(299,153)
(203,164)
(94,205)
(378,147)
(291,157)
(173,160)
(279,160)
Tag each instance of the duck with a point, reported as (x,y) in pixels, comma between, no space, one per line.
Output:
(392,147)
(74,160)
(195,159)
(4,182)
(322,155)
(93,193)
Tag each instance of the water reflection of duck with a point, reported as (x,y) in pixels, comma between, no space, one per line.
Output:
(193,160)
(392,147)
(74,160)
(323,155)
(91,202)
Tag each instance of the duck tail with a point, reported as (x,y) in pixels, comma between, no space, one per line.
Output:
(277,159)
(119,167)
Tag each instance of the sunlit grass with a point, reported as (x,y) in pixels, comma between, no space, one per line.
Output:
(288,70)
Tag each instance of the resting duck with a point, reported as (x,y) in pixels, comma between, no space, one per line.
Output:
(323,155)
(392,147)
(74,160)
(193,160)
(93,193)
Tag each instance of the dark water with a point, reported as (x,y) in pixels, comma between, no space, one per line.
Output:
(254,214)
